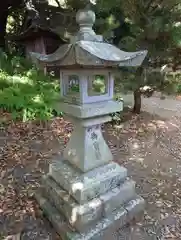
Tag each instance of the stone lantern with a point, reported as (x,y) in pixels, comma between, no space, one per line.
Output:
(85,194)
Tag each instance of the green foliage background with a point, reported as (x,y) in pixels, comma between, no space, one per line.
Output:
(25,91)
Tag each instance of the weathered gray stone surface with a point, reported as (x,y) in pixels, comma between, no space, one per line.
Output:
(85,186)
(81,216)
(94,151)
(135,207)
(118,196)
(101,231)
(91,110)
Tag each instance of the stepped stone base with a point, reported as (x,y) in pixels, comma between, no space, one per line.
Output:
(104,229)
(86,186)
(88,206)
(81,216)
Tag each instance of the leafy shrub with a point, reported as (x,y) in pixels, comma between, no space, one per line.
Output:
(25,91)
(172,82)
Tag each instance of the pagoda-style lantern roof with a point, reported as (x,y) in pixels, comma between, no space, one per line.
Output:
(86,49)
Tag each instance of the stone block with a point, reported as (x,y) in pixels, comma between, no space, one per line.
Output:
(56,219)
(118,196)
(93,153)
(105,228)
(79,216)
(83,187)
(82,216)
(135,207)
(90,110)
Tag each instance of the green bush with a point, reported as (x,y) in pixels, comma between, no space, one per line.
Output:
(25,91)
(172,82)
(169,82)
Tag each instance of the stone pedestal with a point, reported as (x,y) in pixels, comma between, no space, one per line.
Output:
(86,195)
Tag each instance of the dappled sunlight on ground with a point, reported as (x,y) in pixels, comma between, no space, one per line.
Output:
(150,148)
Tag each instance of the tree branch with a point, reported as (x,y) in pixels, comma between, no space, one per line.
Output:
(31,9)
(149,4)
(155,8)
(58,3)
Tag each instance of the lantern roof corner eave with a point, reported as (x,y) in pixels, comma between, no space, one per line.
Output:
(84,51)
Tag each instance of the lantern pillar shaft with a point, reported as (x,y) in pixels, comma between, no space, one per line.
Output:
(87,148)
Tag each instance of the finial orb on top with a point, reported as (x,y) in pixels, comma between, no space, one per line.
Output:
(85,17)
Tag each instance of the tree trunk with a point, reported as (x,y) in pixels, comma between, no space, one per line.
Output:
(137,101)
(3,22)
(137,92)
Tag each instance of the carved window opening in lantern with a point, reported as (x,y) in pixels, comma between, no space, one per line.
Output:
(97,85)
(84,86)
(71,89)
(73,85)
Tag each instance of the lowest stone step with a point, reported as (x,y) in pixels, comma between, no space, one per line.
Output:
(103,230)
